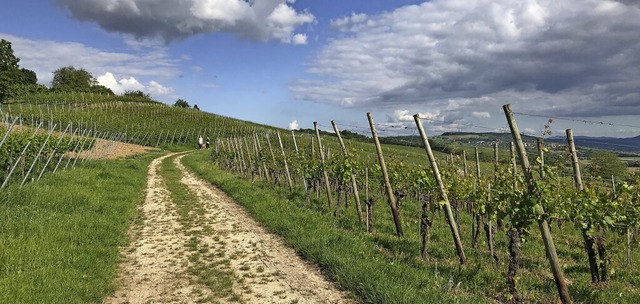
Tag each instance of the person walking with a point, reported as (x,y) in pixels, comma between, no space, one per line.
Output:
(200,142)
(208,143)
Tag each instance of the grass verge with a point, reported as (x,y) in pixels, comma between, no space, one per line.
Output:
(60,237)
(357,262)
(380,268)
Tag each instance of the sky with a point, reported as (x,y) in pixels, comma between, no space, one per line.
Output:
(288,63)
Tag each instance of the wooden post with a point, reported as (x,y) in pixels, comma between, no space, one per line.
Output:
(443,192)
(464,161)
(577,177)
(577,182)
(324,170)
(354,185)
(477,164)
(286,166)
(259,152)
(387,185)
(514,172)
(304,179)
(543,225)
(541,156)
(367,201)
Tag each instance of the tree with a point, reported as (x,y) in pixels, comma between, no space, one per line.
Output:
(71,79)
(100,89)
(606,164)
(137,93)
(15,81)
(181,103)
(28,76)
(8,60)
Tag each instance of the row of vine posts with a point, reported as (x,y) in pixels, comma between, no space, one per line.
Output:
(518,198)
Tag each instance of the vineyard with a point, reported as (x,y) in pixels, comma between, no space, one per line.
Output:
(487,212)
(512,230)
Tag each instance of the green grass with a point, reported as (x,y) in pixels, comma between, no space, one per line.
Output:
(60,237)
(380,268)
(364,264)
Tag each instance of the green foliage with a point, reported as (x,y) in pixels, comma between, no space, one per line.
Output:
(28,76)
(61,237)
(137,94)
(8,61)
(15,143)
(606,164)
(70,79)
(100,89)
(14,81)
(181,103)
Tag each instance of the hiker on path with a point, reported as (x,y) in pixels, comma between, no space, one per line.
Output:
(200,142)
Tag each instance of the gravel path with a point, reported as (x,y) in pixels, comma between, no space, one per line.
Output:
(158,265)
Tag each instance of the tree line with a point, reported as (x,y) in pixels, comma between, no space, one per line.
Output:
(17,82)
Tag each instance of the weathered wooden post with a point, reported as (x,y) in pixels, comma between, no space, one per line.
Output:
(443,192)
(324,170)
(354,185)
(387,185)
(543,225)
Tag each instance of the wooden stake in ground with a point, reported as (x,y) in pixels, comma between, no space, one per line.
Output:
(286,166)
(541,156)
(324,170)
(443,192)
(387,185)
(543,225)
(354,185)
(304,179)
(577,181)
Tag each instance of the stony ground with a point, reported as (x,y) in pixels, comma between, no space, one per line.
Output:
(219,254)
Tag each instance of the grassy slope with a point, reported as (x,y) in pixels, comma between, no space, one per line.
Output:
(60,237)
(380,268)
(364,264)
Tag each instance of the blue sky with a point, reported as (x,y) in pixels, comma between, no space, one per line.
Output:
(277,61)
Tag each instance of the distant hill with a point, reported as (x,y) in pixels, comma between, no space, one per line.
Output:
(631,144)
(443,141)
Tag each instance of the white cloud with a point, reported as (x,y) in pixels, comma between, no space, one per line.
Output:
(171,20)
(153,88)
(406,116)
(293,125)
(348,22)
(481,114)
(153,63)
(299,39)
(565,58)
(156,89)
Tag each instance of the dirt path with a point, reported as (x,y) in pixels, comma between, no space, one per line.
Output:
(220,247)
(152,271)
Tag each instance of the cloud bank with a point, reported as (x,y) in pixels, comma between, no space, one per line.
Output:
(154,64)
(262,20)
(154,88)
(559,57)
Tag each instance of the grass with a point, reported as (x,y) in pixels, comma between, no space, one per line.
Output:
(358,262)
(60,237)
(380,268)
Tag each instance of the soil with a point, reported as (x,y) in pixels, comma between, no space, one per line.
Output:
(261,269)
(109,149)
